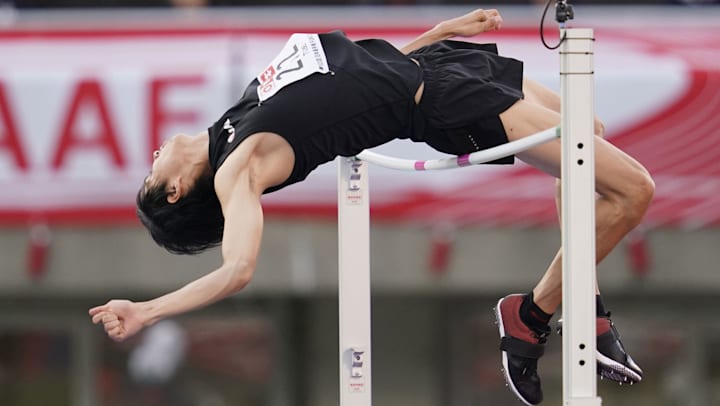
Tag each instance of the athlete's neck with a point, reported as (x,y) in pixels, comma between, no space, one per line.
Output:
(197,153)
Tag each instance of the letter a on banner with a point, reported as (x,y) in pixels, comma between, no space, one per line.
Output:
(9,137)
(88,96)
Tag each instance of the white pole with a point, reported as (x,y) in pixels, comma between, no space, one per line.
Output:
(578,218)
(354,283)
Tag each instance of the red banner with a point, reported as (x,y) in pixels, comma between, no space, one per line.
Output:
(82,111)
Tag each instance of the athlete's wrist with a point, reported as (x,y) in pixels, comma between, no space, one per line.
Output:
(441,32)
(149,313)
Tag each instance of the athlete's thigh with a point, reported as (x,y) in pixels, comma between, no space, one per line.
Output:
(535,92)
(615,171)
(538,93)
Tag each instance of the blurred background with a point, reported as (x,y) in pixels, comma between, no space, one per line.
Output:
(88,89)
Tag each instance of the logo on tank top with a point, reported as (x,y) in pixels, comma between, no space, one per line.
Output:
(301,56)
(230,129)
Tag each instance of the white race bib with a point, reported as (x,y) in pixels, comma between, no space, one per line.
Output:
(301,56)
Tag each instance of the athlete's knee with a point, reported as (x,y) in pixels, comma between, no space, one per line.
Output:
(639,192)
(646,187)
(599,128)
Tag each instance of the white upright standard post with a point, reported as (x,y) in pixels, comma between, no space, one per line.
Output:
(578,218)
(354,283)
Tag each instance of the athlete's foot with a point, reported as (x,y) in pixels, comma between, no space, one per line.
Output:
(613,362)
(521,348)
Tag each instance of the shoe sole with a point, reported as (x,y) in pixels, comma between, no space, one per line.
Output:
(505,368)
(610,369)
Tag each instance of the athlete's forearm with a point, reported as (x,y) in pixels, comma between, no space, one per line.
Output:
(428,37)
(468,25)
(204,291)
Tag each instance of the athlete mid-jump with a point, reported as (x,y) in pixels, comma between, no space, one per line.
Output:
(324,96)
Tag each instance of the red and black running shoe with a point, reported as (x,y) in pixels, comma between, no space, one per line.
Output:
(521,348)
(613,361)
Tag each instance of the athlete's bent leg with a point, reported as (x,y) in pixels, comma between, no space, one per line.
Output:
(548,292)
(624,191)
(624,187)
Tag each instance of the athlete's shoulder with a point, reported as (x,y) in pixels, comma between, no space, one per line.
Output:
(267,156)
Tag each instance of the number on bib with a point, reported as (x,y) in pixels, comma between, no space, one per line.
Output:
(301,56)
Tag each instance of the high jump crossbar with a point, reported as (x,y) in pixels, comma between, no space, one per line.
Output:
(578,234)
(475,158)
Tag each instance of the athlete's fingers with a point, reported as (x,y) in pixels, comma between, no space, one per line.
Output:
(98,317)
(490,18)
(109,318)
(104,317)
(480,15)
(498,21)
(117,334)
(98,309)
(112,325)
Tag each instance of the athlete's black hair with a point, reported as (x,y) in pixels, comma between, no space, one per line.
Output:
(189,226)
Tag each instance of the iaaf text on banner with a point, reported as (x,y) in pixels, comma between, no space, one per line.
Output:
(77,134)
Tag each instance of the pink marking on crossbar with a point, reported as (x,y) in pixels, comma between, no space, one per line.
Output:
(419,165)
(463,160)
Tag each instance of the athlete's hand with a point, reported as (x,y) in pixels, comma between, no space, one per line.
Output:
(472,23)
(121,318)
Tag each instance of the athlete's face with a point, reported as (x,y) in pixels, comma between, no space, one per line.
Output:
(167,161)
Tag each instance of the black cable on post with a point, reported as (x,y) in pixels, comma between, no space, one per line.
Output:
(563,13)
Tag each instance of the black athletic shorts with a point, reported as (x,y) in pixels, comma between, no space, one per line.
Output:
(467,86)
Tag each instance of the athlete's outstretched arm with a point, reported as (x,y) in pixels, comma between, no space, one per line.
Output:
(241,243)
(239,191)
(468,25)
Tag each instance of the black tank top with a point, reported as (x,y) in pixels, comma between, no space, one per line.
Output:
(366,100)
